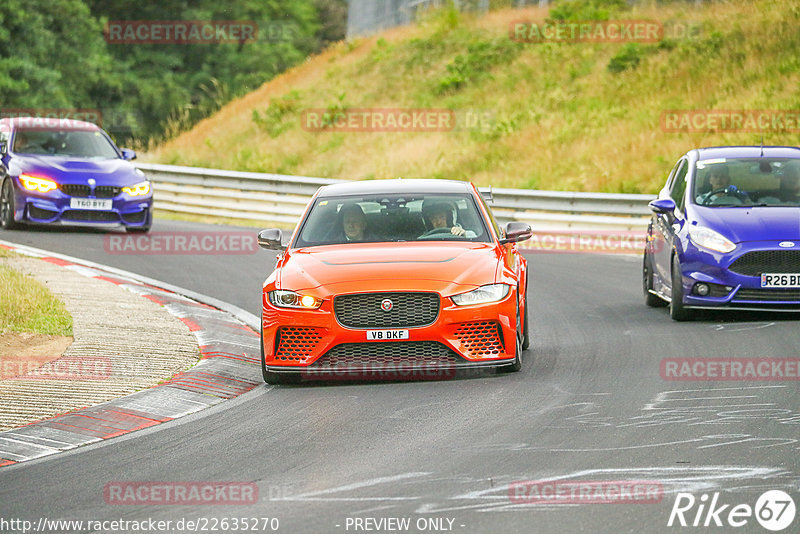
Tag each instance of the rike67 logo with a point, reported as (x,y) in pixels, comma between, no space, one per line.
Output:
(774,510)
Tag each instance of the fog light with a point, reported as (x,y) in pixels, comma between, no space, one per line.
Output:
(701,289)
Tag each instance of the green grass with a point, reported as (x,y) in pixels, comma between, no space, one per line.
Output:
(26,305)
(561,116)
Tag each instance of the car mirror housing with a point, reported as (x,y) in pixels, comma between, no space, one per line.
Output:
(3,147)
(271,239)
(128,154)
(663,205)
(517,231)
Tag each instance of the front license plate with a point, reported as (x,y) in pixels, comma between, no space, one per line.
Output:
(383,335)
(91,203)
(780,280)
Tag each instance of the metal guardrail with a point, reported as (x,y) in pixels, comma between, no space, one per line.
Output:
(280,199)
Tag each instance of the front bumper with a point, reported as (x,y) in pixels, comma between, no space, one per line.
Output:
(314,343)
(54,208)
(731,289)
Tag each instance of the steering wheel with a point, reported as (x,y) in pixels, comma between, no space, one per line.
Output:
(435,231)
(741,195)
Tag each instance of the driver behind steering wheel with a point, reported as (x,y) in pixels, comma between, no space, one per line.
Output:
(440,215)
(719,178)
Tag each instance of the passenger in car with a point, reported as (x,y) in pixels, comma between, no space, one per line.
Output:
(354,224)
(789,186)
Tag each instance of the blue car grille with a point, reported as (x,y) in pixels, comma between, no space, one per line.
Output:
(106,191)
(767,261)
(75,190)
(81,190)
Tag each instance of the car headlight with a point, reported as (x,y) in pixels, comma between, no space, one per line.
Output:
(291,299)
(33,183)
(482,295)
(142,188)
(707,238)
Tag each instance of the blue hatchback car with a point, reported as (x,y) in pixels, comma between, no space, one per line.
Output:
(725,232)
(56,171)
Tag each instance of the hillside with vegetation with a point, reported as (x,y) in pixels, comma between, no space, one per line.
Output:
(56,56)
(583,116)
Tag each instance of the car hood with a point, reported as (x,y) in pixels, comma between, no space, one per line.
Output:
(752,224)
(447,268)
(66,170)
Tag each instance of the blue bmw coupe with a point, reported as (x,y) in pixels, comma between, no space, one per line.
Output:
(55,171)
(725,232)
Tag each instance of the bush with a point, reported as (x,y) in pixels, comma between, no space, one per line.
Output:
(628,57)
(586,9)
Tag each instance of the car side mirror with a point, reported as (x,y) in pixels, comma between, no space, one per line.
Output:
(3,147)
(665,206)
(271,239)
(128,154)
(517,231)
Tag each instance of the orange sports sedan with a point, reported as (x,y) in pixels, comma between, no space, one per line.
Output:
(404,279)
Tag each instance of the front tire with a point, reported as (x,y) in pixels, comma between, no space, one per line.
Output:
(677,309)
(526,326)
(7,207)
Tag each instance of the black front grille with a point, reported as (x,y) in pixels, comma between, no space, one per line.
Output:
(768,294)
(106,191)
(75,190)
(396,353)
(767,261)
(90,216)
(82,190)
(364,310)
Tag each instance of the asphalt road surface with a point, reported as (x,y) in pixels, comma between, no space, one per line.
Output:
(590,404)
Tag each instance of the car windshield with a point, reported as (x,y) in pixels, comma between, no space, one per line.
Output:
(392,217)
(747,182)
(74,143)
